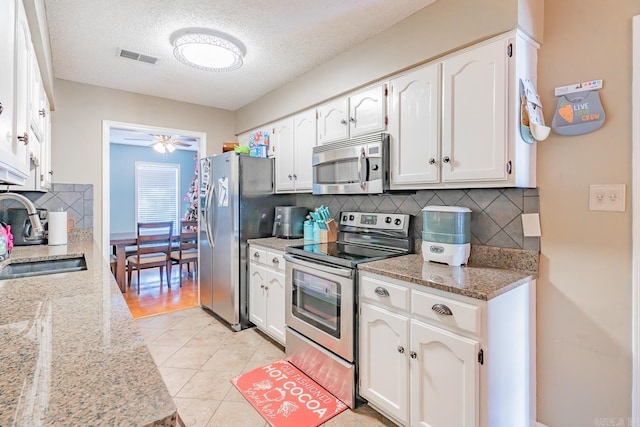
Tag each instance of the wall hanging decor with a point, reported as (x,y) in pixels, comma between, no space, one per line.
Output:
(532,126)
(579,109)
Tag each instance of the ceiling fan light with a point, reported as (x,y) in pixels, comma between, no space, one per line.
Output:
(208,52)
(170,148)
(159,147)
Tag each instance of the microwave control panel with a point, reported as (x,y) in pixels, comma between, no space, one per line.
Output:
(380,221)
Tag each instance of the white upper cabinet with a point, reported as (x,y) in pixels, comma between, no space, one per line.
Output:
(361,113)
(15,41)
(32,124)
(293,141)
(472,138)
(414,119)
(474,114)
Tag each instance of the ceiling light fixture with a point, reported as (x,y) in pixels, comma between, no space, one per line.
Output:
(208,50)
(163,147)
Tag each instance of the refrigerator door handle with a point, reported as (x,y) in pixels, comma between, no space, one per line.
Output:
(208,219)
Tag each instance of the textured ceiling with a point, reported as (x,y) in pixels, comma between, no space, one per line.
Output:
(283,39)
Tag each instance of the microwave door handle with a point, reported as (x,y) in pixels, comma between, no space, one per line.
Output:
(362,159)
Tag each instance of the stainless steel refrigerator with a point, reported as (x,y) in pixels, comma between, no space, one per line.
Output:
(237,203)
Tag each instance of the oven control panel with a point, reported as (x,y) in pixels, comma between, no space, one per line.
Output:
(380,221)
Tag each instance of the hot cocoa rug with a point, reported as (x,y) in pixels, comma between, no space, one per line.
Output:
(286,397)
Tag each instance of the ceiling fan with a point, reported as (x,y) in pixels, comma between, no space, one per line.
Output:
(165,143)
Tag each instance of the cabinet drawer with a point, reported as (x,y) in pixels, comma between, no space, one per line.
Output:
(257,255)
(463,316)
(384,293)
(275,260)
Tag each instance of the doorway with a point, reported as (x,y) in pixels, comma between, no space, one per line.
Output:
(145,142)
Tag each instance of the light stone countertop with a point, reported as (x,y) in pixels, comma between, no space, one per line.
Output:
(71,352)
(275,243)
(475,281)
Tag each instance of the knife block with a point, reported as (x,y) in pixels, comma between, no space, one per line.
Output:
(331,234)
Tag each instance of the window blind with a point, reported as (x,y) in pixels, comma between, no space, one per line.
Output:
(157,198)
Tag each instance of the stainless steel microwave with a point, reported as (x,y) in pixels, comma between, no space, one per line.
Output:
(354,166)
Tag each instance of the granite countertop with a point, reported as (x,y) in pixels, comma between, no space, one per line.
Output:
(71,352)
(489,273)
(275,243)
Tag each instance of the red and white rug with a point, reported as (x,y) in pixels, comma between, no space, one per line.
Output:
(286,397)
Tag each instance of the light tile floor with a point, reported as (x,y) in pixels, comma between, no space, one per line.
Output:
(197,355)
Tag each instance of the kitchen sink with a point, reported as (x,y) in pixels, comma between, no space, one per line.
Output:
(39,268)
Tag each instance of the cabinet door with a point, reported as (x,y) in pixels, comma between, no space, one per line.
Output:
(36,98)
(367,111)
(304,135)
(474,122)
(444,378)
(45,150)
(282,144)
(414,127)
(333,122)
(23,52)
(384,360)
(275,305)
(258,295)
(7,38)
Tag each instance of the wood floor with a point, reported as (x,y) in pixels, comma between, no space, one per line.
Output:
(154,299)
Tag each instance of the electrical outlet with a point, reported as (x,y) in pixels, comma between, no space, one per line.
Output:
(607,197)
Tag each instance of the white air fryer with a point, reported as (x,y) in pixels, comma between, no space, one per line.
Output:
(446,234)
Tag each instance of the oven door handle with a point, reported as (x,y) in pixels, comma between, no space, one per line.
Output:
(344,272)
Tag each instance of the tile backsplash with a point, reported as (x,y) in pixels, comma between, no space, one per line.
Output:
(495,212)
(75,199)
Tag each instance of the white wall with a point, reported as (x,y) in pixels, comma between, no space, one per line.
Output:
(76,130)
(584,287)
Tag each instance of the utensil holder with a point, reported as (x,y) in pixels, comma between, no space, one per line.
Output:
(331,233)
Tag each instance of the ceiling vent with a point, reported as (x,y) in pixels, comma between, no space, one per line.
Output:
(123,53)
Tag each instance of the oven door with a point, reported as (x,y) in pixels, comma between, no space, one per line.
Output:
(319,303)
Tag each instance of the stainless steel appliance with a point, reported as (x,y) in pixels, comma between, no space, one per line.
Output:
(21,228)
(321,296)
(288,221)
(236,203)
(355,166)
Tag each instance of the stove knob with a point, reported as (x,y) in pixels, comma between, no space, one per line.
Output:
(388,220)
(344,218)
(397,221)
(351,217)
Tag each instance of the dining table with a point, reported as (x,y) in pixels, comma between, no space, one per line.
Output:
(119,242)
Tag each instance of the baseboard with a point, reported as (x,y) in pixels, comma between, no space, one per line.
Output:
(540,425)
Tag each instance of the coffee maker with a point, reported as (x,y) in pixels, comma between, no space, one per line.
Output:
(18,219)
(288,221)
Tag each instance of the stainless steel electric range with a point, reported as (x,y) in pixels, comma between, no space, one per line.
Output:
(321,296)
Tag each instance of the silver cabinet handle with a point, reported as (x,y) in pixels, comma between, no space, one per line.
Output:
(42,112)
(343,122)
(432,161)
(352,119)
(446,159)
(256,255)
(295,176)
(24,138)
(1,108)
(413,354)
(290,177)
(261,286)
(442,309)
(382,291)
(400,349)
(275,260)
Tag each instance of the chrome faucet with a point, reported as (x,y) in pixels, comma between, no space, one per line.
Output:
(36,226)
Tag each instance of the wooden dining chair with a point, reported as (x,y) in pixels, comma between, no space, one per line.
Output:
(153,249)
(187,252)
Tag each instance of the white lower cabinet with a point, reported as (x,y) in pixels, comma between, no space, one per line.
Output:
(422,368)
(266,291)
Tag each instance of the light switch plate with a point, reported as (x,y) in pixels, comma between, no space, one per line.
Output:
(607,197)
(531,225)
